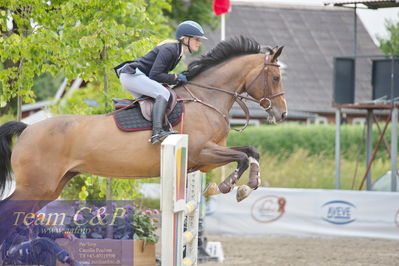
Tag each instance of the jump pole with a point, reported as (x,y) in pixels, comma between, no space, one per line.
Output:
(180,197)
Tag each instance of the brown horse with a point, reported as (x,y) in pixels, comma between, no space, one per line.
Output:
(49,153)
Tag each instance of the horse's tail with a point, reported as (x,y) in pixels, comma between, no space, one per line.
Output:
(7,131)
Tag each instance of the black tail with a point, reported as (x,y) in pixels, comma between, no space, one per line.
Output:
(7,131)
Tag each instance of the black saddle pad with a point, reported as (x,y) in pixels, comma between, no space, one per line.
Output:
(133,120)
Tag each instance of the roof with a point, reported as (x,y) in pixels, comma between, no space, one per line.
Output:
(312,37)
(369,4)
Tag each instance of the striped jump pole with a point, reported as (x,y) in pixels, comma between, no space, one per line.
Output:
(180,197)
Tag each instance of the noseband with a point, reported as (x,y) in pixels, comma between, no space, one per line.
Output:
(267,97)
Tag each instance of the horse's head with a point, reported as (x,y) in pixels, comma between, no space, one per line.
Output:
(262,79)
(265,85)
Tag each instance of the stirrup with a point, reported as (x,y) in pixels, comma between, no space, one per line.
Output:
(160,136)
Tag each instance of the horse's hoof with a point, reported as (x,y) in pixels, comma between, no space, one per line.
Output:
(243,192)
(211,189)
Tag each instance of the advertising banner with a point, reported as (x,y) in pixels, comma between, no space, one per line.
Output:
(305,212)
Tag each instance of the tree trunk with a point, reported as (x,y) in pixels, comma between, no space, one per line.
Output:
(108,195)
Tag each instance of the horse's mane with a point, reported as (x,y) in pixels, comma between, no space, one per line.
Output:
(222,51)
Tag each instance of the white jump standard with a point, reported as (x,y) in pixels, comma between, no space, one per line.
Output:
(178,202)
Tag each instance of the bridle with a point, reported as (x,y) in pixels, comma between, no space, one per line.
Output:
(267,95)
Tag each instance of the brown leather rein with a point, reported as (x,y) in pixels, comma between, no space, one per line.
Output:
(238,97)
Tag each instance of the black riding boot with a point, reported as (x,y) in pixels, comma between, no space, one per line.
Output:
(158,114)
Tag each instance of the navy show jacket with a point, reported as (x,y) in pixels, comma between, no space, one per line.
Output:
(156,64)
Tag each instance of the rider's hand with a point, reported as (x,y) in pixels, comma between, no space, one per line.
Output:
(182,78)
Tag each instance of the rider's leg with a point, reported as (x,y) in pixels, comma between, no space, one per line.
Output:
(139,84)
(158,114)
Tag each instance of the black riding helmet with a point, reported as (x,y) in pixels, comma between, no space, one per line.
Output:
(189,28)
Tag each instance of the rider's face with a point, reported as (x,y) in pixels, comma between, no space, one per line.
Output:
(195,43)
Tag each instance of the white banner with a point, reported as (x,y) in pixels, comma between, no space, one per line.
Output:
(305,212)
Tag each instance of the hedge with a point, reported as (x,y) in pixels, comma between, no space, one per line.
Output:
(315,139)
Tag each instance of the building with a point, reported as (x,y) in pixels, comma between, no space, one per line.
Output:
(312,37)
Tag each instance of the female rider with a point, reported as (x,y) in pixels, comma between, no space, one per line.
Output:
(144,75)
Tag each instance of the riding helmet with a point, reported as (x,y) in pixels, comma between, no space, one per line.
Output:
(189,28)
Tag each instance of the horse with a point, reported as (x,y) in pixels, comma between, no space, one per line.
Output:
(49,153)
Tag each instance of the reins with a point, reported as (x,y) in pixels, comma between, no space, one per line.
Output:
(238,97)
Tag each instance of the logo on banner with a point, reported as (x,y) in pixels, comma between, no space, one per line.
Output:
(268,209)
(338,212)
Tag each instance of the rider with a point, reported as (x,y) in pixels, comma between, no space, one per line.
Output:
(143,75)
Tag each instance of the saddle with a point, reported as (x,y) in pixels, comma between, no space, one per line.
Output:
(145,104)
(135,115)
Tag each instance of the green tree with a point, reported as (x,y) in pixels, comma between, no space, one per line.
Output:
(24,49)
(97,35)
(391,44)
(82,38)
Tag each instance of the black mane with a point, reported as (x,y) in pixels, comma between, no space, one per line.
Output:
(223,51)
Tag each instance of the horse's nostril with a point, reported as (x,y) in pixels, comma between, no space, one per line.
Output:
(284,115)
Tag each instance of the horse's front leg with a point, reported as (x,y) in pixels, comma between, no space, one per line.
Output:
(254,180)
(218,155)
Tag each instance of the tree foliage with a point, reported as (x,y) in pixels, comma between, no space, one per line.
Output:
(81,38)
(391,45)
(26,45)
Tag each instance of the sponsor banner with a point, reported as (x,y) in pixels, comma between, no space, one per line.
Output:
(305,212)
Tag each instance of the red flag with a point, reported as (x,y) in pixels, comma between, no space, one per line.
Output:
(221,6)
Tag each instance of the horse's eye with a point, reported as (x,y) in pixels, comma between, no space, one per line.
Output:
(276,78)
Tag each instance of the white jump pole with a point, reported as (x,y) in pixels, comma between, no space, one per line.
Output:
(177,202)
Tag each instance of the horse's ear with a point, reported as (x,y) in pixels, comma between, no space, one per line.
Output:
(267,50)
(277,53)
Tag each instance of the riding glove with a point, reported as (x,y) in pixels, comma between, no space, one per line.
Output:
(182,78)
